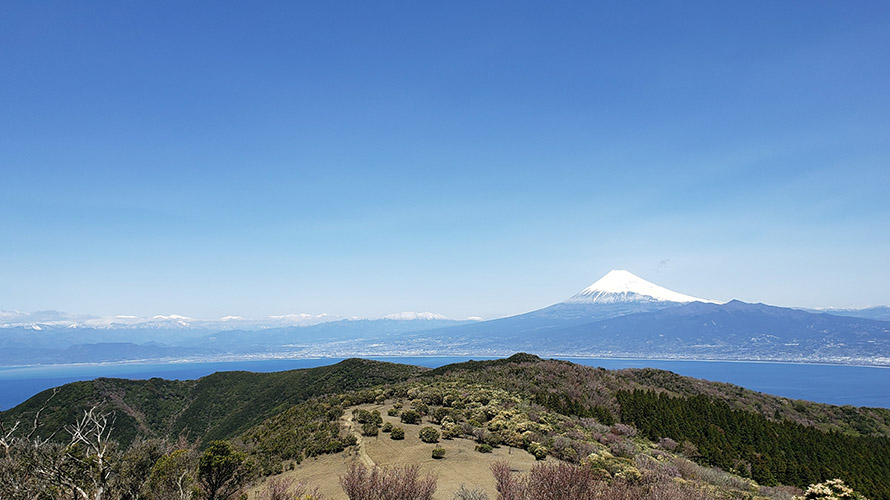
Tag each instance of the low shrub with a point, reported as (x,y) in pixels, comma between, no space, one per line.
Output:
(437,415)
(429,435)
(438,452)
(410,417)
(668,444)
(538,450)
(450,431)
(288,489)
(397,433)
(566,481)
(466,494)
(484,448)
(369,429)
(831,489)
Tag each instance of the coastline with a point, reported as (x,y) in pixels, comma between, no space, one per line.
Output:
(857,386)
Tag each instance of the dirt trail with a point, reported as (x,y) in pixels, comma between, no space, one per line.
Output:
(350,425)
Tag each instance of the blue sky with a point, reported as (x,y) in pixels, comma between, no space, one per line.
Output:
(214,158)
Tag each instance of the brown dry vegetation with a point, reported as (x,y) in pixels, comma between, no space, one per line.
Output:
(461,465)
(662,474)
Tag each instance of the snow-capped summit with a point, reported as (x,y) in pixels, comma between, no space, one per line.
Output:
(623,286)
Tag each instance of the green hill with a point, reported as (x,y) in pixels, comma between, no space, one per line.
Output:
(547,407)
(218,406)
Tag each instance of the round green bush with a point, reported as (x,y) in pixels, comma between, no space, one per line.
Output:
(397,433)
(429,435)
(410,417)
(438,452)
(538,450)
(484,448)
(387,427)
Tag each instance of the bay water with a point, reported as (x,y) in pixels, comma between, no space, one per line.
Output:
(834,384)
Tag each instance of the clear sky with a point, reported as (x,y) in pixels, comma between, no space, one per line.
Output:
(465,158)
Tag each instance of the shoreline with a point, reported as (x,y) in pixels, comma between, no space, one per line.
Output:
(560,356)
(23,382)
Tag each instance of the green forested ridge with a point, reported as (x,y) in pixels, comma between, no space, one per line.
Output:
(224,404)
(576,389)
(217,406)
(847,419)
(471,365)
(769,452)
(304,430)
(228,403)
(142,407)
(771,439)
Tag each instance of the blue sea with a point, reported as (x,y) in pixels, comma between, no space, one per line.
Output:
(834,384)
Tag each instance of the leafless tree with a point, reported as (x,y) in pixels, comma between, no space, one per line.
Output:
(288,489)
(387,483)
(6,437)
(89,454)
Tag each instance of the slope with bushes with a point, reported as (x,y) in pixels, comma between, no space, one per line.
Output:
(620,423)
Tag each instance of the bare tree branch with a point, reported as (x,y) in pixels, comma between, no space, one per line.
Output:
(36,422)
(7,437)
(93,432)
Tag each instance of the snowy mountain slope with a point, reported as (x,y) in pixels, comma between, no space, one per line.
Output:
(623,286)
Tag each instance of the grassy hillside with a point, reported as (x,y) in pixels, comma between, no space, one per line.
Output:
(548,408)
(770,439)
(225,404)
(586,391)
(542,407)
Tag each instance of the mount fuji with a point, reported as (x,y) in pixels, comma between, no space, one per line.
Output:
(619,286)
(618,293)
(623,315)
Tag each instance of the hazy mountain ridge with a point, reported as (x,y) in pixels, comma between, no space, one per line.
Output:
(881,313)
(103,352)
(736,330)
(322,332)
(620,321)
(620,315)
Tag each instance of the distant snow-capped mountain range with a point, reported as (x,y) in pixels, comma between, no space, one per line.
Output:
(48,319)
(615,288)
(620,314)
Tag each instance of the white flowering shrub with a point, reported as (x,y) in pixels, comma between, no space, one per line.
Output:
(833,489)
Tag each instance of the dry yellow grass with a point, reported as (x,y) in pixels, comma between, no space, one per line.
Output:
(461,465)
